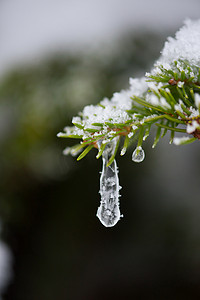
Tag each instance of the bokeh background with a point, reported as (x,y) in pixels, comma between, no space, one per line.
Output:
(56,57)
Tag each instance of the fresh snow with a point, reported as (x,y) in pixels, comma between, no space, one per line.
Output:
(185,47)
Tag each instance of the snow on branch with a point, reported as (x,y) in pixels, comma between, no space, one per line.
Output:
(168,96)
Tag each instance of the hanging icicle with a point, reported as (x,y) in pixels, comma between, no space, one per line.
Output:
(108,212)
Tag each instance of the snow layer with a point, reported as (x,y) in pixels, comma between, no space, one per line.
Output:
(112,111)
(185,46)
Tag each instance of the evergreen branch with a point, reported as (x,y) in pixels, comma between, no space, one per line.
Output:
(171,97)
(170,128)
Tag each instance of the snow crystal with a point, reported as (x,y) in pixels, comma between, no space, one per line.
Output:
(71,130)
(76,120)
(184,47)
(67,151)
(181,84)
(74,151)
(192,127)
(153,99)
(178,107)
(154,86)
(112,111)
(164,103)
(130,134)
(180,141)
(138,86)
(194,112)
(60,134)
(156,101)
(105,141)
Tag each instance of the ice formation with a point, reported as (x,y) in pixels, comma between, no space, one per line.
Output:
(138,155)
(6,272)
(108,212)
(168,96)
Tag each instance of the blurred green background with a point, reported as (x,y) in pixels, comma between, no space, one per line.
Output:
(48,202)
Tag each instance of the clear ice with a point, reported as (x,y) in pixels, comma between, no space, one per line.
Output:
(108,212)
(138,155)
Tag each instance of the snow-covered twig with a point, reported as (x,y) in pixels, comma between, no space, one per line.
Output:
(168,96)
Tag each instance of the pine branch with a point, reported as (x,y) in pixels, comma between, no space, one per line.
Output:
(166,98)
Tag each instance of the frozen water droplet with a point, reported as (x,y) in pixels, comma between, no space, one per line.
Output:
(145,136)
(138,155)
(108,212)
(123,151)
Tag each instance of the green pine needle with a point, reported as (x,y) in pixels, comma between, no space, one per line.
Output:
(86,151)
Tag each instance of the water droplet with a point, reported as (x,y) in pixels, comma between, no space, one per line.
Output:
(145,136)
(108,212)
(123,151)
(138,154)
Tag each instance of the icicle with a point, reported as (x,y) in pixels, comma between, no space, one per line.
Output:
(108,212)
(138,154)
